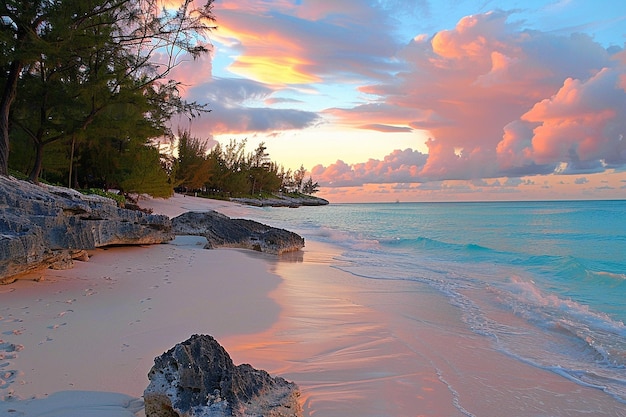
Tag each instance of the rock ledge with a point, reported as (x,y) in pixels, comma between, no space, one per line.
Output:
(45,226)
(222,231)
(282,200)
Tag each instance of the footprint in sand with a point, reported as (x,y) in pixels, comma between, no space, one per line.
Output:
(48,339)
(56,326)
(8,352)
(145,299)
(7,378)
(62,313)
(14,332)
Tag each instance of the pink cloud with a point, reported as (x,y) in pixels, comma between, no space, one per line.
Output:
(399,166)
(287,43)
(496,100)
(584,122)
(192,72)
(500,101)
(385,128)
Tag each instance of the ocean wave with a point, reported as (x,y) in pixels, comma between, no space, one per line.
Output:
(344,239)
(426,243)
(546,287)
(609,275)
(587,345)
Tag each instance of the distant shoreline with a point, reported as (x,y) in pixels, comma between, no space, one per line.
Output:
(282,200)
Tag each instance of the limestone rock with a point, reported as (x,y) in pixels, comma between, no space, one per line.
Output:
(222,231)
(197,378)
(282,200)
(42,226)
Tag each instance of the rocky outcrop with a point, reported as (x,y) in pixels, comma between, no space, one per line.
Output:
(44,226)
(197,378)
(222,231)
(282,200)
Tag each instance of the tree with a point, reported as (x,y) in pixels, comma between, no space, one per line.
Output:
(121,152)
(310,187)
(141,173)
(233,154)
(298,177)
(259,166)
(259,157)
(91,54)
(20,21)
(192,169)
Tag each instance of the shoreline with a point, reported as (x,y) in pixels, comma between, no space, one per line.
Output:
(355,346)
(371,347)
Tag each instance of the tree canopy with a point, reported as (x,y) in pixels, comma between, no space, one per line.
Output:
(229,172)
(86,90)
(87,99)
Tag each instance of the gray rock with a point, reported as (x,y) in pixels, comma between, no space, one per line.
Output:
(222,231)
(197,378)
(282,200)
(45,226)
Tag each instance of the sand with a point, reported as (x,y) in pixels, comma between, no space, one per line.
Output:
(81,342)
(361,347)
(78,339)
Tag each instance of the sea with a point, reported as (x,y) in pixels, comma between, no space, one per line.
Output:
(558,267)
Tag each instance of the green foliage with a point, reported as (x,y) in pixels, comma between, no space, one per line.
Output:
(226,171)
(119,198)
(85,92)
(192,168)
(142,173)
(309,187)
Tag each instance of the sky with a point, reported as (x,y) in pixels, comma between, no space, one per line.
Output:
(423,100)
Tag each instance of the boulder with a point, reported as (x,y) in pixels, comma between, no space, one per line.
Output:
(197,378)
(222,231)
(45,226)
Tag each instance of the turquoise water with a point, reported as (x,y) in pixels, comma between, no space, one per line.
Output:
(558,266)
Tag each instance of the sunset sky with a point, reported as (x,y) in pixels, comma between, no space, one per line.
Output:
(423,100)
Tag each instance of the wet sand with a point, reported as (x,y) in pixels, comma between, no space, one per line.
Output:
(82,341)
(397,348)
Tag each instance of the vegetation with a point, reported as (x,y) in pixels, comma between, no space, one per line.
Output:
(86,100)
(227,171)
(85,88)
(119,199)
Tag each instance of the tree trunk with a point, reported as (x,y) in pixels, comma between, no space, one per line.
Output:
(8,96)
(69,177)
(34,174)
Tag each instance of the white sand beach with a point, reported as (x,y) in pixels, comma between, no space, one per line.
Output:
(77,339)
(81,342)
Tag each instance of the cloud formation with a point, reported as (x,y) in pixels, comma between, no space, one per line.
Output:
(397,167)
(494,98)
(237,106)
(497,100)
(294,43)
